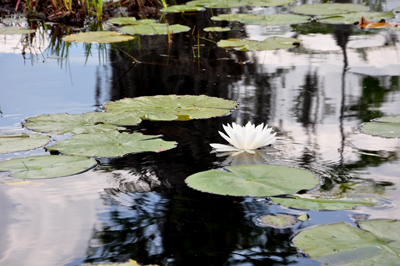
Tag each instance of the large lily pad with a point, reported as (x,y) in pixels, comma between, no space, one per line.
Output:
(15,30)
(21,142)
(236,3)
(268,44)
(387,126)
(111,144)
(154,29)
(98,37)
(256,180)
(275,19)
(280,220)
(172,107)
(47,166)
(80,123)
(182,8)
(376,243)
(351,18)
(329,9)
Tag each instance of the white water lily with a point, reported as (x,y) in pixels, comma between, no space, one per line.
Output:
(245,139)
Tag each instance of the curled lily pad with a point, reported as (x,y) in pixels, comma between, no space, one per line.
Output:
(268,44)
(15,30)
(91,122)
(172,107)
(21,142)
(182,8)
(111,144)
(98,37)
(387,126)
(256,180)
(216,29)
(237,3)
(376,242)
(154,29)
(350,18)
(275,19)
(278,221)
(329,9)
(47,166)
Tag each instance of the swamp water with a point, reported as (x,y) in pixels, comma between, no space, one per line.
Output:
(314,96)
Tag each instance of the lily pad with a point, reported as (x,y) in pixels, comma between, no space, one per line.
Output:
(278,221)
(329,9)
(375,243)
(21,142)
(98,37)
(275,19)
(268,44)
(216,29)
(47,166)
(80,123)
(130,21)
(350,18)
(15,30)
(172,107)
(237,3)
(111,144)
(257,180)
(154,29)
(182,8)
(387,126)
(319,204)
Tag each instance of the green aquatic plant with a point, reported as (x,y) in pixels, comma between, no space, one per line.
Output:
(21,142)
(280,220)
(272,43)
(98,37)
(351,18)
(237,3)
(328,9)
(182,9)
(274,19)
(386,126)
(154,29)
(15,30)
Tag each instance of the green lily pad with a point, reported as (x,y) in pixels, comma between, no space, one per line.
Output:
(130,21)
(216,29)
(80,123)
(387,126)
(350,18)
(21,142)
(279,221)
(111,144)
(303,217)
(98,37)
(154,29)
(319,204)
(329,9)
(237,3)
(375,243)
(172,107)
(47,166)
(268,44)
(275,19)
(257,180)
(182,8)
(15,30)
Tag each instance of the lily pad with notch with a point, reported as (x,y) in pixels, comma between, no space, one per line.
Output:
(48,166)
(172,107)
(154,29)
(237,3)
(274,19)
(21,142)
(328,9)
(386,126)
(376,242)
(98,37)
(111,144)
(257,180)
(268,44)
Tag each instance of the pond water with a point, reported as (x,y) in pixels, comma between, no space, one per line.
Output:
(314,96)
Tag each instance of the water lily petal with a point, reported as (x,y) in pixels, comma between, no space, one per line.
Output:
(222,147)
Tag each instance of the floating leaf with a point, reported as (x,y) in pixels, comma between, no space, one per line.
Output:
(21,142)
(319,204)
(268,44)
(278,221)
(80,123)
(47,166)
(15,30)
(376,243)
(237,3)
(122,21)
(110,144)
(182,8)
(172,107)
(256,180)
(98,37)
(351,18)
(387,126)
(154,29)
(329,9)
(303,217)
(216,29)
(275,19)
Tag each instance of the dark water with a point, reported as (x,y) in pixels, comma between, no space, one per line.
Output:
(314,96)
